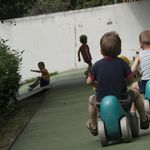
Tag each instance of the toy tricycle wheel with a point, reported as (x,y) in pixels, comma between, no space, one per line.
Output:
(134,124)
(146,105)
(102,133)
(125,130)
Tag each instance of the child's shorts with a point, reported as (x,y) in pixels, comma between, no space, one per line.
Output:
(142,85)
(126,104)
(43,82)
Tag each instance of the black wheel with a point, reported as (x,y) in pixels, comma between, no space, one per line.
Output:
(134,124)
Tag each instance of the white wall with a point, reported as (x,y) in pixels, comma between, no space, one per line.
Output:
(54,38)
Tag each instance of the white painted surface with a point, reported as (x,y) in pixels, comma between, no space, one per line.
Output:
(54,38)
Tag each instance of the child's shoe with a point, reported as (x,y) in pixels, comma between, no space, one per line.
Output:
(145,125)
(32,86)
(86,73)
(93,131)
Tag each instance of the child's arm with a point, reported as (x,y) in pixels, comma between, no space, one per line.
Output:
(91,82)
(135,65)
(86,50)
(79,55)
(39,71)
(129,80)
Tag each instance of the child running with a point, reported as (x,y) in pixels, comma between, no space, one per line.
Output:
(84,49)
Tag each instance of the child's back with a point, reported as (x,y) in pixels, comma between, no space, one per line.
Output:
(111,74)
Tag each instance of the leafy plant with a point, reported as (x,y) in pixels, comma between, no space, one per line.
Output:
(28,81)
(53,73)
(47,6)
(20,8)
(10,61)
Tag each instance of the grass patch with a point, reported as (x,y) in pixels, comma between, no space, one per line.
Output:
(53,73)
(28,81)
(18,119)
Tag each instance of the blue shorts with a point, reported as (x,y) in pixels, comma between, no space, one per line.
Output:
(142,85)
(43,82)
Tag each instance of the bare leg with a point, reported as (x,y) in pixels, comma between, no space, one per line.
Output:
(134,86)
(93,114)
(89,67)
(139,105)
(37,81)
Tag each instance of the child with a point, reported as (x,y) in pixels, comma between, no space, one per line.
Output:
(43,80)
(110,75)
(143,58)
(84,49)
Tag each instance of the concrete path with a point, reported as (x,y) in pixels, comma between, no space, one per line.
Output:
(59,124)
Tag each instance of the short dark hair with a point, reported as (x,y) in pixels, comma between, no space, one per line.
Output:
(110,44)
(83,39)
(41,63)
(144,38)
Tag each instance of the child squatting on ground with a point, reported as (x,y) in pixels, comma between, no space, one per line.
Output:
(84,49)
(143,58)
(110,75)
(43,80)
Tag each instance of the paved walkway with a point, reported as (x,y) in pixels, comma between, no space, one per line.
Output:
(59,124)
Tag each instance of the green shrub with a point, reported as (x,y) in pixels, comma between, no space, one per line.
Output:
(53,73)
(10,61)
(28,81)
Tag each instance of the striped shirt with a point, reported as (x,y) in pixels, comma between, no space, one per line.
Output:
(145,64)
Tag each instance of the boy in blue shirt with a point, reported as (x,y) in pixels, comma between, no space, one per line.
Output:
(110,75)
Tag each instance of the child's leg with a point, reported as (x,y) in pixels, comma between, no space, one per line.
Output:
(37,81)
(139,105)
(32,86)
(93,114)
(134,86)
(89,66)
(92,122)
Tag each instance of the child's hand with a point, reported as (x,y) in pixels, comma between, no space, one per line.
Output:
(79,59)
(32,70)
(138,73)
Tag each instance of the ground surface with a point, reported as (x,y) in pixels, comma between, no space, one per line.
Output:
(19,118)
(60,121)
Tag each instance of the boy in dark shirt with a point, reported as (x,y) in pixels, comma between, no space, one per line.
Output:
(110,75)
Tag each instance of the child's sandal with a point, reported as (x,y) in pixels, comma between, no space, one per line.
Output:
(144,125)
(93,131)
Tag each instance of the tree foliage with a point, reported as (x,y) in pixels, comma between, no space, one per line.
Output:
(14,8)
(10,61)
(20,8)
(47,6)
(79,4)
